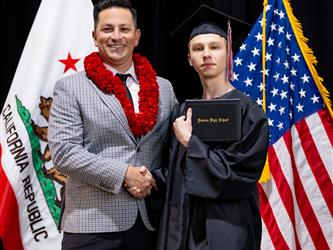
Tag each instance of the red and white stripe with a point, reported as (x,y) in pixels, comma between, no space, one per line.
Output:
(297,203)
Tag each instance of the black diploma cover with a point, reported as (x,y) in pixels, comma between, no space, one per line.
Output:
(216,120)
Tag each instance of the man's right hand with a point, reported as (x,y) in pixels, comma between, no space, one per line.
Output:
(139,181)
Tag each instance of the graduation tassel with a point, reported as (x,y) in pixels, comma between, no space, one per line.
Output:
(230,72)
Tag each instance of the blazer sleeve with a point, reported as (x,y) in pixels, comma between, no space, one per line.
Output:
(65,138)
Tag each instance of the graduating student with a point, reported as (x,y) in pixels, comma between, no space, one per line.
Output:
(212,198)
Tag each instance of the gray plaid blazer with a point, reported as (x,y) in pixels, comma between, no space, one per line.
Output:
(92,144)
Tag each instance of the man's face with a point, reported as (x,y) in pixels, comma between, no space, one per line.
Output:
(116,37)
(208,55)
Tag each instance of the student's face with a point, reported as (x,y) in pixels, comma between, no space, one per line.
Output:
(116,36)
(208,55)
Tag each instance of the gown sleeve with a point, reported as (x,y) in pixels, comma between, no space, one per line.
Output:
(228,171)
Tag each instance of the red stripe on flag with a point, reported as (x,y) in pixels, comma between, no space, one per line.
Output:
(327,123)
(317,166)
(283,189)
(307,213)
(9,218)
(270,221)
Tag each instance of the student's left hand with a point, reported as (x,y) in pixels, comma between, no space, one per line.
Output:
(182,128)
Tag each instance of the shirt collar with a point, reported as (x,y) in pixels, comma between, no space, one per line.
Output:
(130,71)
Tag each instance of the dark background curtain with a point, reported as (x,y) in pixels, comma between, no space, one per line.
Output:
(156,19)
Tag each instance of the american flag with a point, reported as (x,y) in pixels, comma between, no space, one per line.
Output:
(297,202)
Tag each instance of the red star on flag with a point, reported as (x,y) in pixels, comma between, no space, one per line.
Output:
(69,62)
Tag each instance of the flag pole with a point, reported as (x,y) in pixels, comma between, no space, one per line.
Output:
(265,176)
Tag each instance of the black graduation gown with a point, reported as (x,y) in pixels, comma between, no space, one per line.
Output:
(212,198)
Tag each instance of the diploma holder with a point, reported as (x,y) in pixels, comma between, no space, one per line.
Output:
(216,120)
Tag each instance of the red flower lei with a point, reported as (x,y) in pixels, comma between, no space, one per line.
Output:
(144,121)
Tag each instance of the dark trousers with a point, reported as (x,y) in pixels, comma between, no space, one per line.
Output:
(137,237)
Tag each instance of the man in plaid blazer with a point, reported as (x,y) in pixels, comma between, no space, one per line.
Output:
(108,137)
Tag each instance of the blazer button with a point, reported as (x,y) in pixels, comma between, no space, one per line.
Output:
(138,149)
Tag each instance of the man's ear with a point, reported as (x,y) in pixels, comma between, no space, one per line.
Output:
(93,34)
(137,37)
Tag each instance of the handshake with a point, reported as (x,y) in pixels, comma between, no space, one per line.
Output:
(139,181)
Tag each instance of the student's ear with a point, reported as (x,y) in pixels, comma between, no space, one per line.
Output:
(189,59)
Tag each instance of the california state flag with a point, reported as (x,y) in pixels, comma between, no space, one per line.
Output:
(30,189)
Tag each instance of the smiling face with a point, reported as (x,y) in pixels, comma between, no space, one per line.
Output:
(116,36)
(208,55)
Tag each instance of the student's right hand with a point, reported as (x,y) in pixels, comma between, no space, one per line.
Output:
(139,181)
(182,128)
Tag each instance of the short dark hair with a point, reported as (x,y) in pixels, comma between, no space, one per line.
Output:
(105,4)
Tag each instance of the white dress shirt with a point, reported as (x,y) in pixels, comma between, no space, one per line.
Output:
(132,84)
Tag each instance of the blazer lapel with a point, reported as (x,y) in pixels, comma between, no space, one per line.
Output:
(115,107)
(158,121)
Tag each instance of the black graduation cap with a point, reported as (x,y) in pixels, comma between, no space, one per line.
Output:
(207,20)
